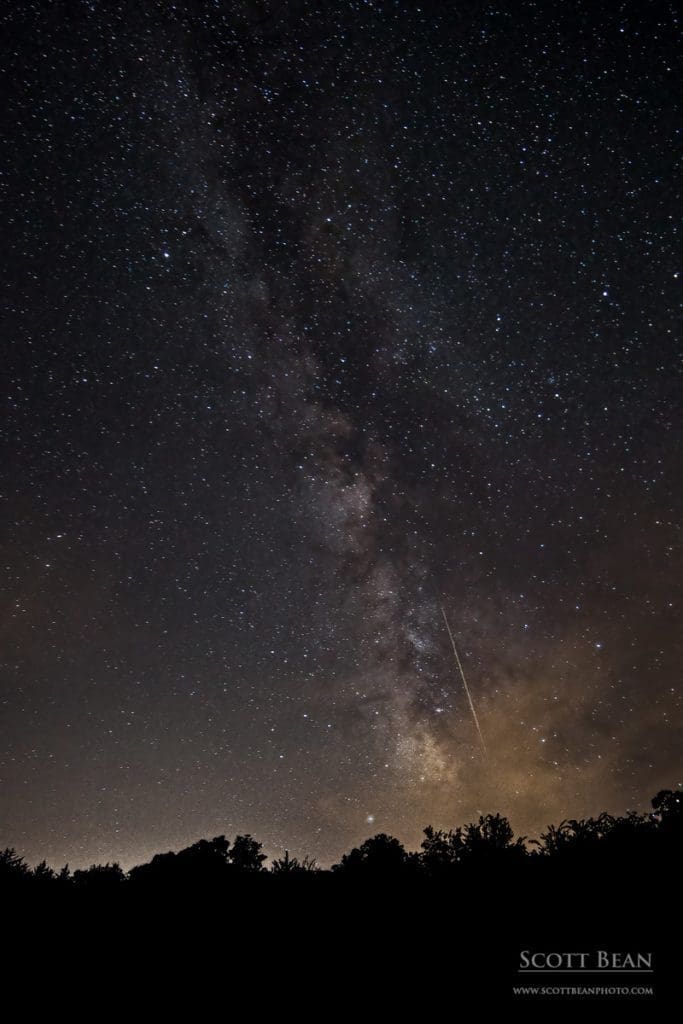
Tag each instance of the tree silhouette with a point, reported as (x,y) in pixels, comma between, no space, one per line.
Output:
(246,854)
(440,850)
(668,806)
(382,855)
(205,862)
(13,869)
(491,838)
(63,878)
(42,874)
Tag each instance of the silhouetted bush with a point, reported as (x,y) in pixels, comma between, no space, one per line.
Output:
(292,866)
(102,878)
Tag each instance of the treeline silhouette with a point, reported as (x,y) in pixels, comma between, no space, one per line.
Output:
(624,847)
(382,929)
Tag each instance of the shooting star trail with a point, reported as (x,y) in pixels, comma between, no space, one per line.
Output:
(464,682)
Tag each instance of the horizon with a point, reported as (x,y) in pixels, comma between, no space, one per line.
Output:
(127,862)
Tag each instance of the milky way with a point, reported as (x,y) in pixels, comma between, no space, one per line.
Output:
(317,318)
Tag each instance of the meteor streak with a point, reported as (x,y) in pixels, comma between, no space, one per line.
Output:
(464,683)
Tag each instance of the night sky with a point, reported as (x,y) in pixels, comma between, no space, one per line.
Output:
(317,317)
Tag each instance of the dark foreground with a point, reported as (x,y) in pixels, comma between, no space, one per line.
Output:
(475,920)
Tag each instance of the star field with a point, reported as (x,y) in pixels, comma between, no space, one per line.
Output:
(318,317)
